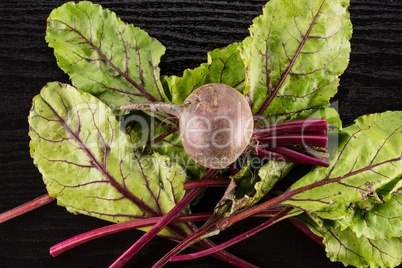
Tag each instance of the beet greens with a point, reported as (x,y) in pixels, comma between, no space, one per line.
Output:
(137,169)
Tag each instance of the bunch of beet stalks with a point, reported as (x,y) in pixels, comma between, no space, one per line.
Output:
(298,141)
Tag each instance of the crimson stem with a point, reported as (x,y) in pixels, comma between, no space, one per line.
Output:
(26,207)
(288,155)
(219,182)
(295,139)
(305,159)
(300,126)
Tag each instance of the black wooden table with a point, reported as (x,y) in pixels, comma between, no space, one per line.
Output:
(188,29)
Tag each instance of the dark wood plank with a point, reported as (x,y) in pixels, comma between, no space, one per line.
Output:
(188,29)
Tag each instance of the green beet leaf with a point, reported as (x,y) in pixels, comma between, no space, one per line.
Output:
(104,56)
(224,66)
(382,219)
(346,247)
(88,162)
(369,157)
(296,51)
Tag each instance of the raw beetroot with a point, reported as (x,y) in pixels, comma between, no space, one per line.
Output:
(216,123)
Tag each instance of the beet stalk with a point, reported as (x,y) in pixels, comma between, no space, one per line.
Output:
(26,207)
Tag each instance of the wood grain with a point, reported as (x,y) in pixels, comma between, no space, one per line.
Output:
(188,29)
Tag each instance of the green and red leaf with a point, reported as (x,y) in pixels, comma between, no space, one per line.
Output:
(344,246)
(112,60)
(88,163)
(295,54)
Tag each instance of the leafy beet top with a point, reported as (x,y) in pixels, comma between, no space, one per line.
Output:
(101,161)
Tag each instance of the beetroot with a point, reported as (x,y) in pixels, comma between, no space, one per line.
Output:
(216,123)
